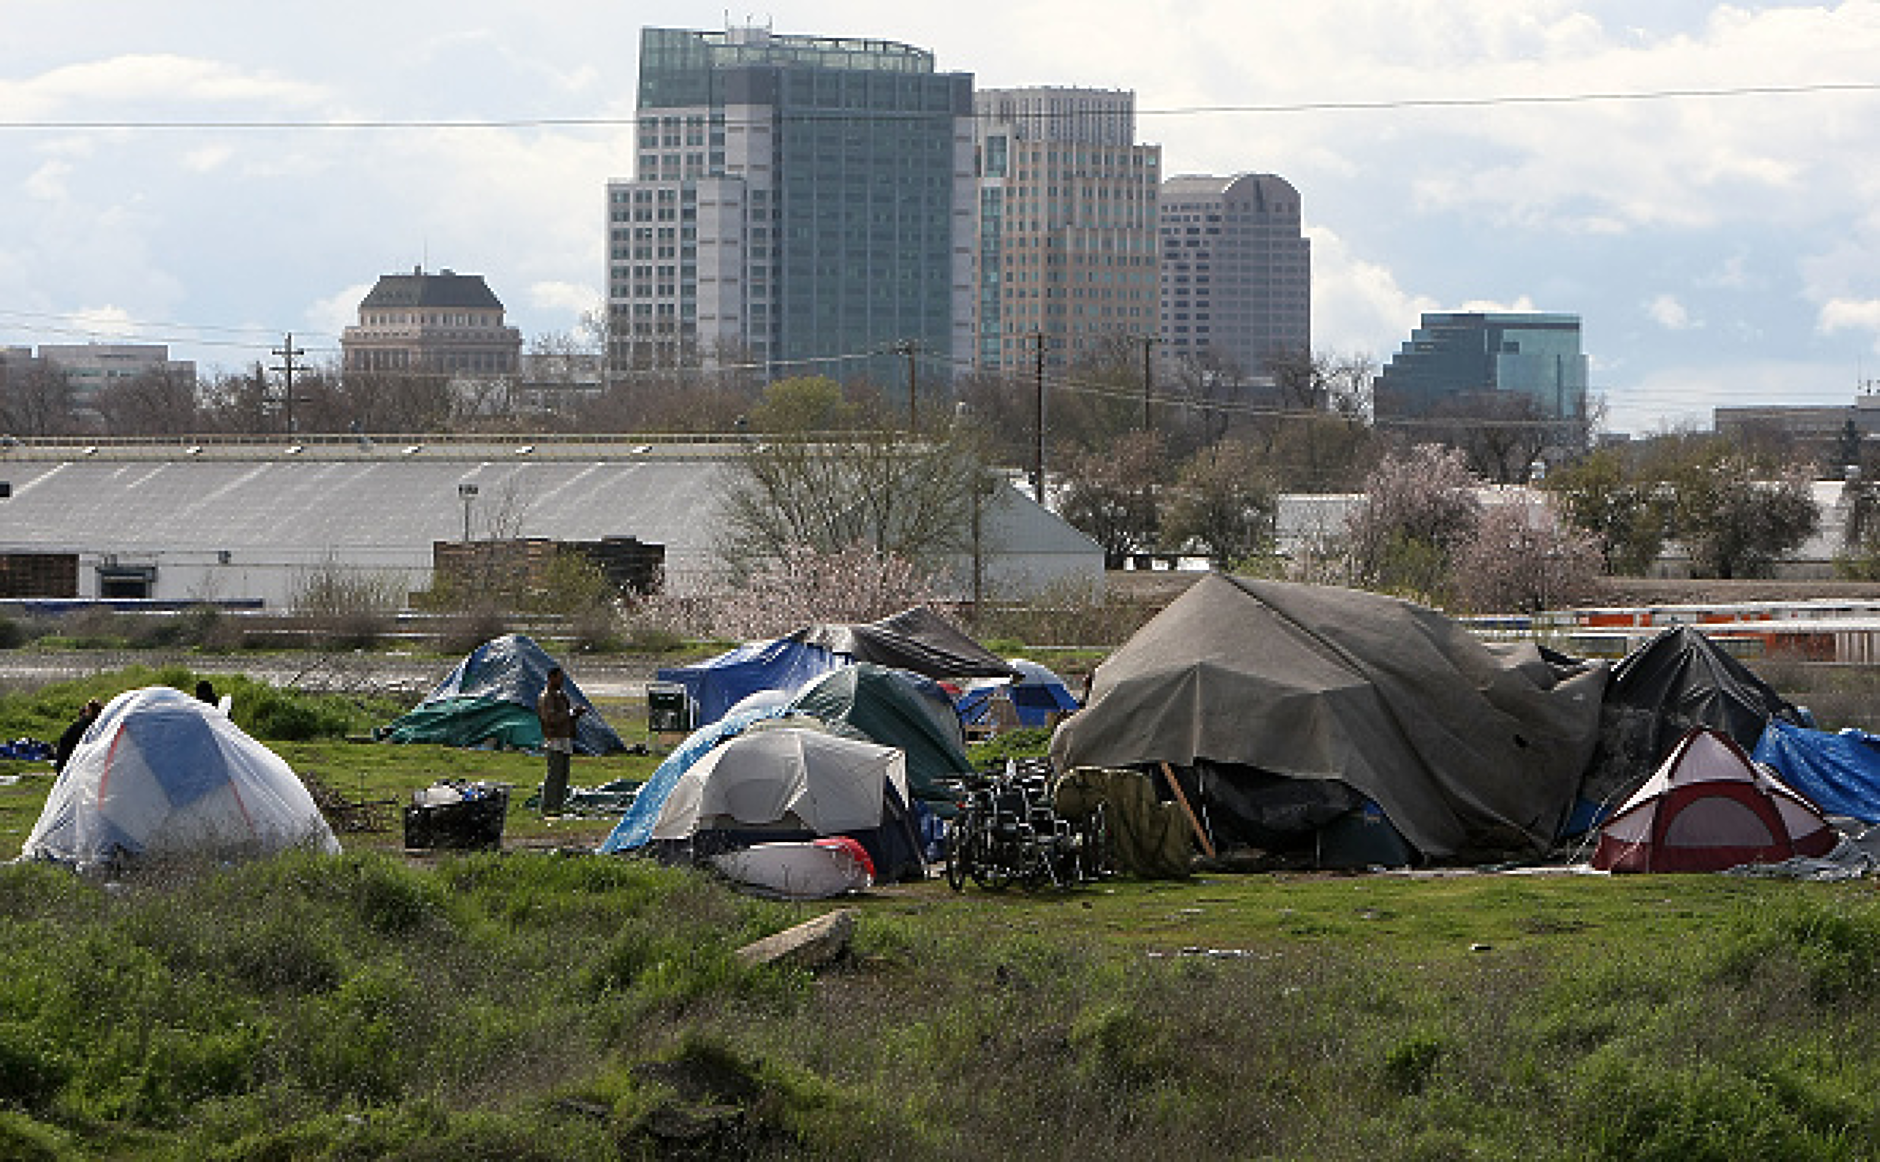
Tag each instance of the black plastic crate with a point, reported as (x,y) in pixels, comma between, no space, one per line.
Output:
(473,822)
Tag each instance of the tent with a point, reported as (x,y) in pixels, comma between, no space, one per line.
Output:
(1837,772)
(1287,706)
(489,700)
(635,829)
(1708,808)
(898,709)
(916,639)
(1036,694)
(162,774)
(792,783)
(719,683)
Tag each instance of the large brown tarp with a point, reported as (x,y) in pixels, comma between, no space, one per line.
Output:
(1466,745)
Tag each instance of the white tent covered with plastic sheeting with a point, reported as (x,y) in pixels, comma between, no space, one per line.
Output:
(824,784)
(163,775)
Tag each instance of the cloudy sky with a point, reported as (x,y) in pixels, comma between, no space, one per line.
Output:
(1697,181)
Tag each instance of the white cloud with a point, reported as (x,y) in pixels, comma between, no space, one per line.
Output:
(1669,313)
(571,297)
(332,315)
(1849,315)
(47,182)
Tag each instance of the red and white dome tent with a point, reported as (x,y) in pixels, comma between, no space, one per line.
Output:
(1708,808)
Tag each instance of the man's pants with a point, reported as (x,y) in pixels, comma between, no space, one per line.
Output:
(555,787)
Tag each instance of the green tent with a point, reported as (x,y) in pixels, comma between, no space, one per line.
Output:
(471,720)
(895,708)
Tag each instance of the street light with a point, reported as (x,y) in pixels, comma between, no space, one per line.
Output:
(468,493)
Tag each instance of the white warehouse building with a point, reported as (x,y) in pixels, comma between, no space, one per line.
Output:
(251,521)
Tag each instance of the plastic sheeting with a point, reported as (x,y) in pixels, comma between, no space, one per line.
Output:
(918,640)
(1468,746)
(161,774)
(1839,773)
(831,784)
(511,669)
(898,709)
(717,684)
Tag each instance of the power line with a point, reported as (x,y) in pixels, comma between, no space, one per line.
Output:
(1387,104)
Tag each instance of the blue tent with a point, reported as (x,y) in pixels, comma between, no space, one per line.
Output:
(489,700)
(1839,773)
(1037,693)
(717,684)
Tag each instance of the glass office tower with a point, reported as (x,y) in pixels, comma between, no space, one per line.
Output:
(1464,354)
(802,203)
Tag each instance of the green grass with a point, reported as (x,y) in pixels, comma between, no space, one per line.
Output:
(548,1003)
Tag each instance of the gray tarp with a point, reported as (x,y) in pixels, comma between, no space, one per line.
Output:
(1466,745)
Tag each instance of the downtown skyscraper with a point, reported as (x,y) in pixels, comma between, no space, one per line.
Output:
(802,204)
(1067,226)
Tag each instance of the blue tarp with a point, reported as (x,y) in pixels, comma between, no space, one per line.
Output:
(1839,773)
(635,828)
(1037,693)
(717,684)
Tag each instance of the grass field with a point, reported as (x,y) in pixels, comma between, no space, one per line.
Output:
(545,1003)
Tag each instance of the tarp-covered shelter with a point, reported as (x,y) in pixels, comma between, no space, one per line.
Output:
(1707,808)
(488,699)
(1278,691)
(1838,772)
(163,775)
(718,683)
(915,639)
(763,786)
(1036,694)
(899,709)
(1678,680)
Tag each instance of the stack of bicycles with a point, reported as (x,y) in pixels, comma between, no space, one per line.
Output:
(1006,831)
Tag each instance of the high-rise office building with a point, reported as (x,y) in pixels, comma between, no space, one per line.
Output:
(1236,270)
(1454,361)
(1067,213)
(803,203)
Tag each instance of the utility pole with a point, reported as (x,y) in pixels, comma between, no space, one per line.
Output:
(1148,379)
(288,353)
(1037,463)
(909,348)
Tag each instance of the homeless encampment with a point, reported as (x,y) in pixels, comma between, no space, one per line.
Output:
(162,775)
(1284,707)
(1708,808)
(899,709)
(917,640)
(1677,680)
(489,700)
(791,783)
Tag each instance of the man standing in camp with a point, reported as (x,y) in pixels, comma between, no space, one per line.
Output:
(68,742)
(558,715)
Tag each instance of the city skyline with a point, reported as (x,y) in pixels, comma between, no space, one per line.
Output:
(1687,180)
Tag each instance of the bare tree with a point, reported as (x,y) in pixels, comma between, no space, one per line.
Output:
(159,401)
(37,399)
(238,402)
(1111,494)
(882,490)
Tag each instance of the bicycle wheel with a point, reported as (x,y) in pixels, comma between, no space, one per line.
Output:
(991,864)
(959,851)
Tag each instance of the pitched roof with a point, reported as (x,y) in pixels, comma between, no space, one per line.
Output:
(444,289)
